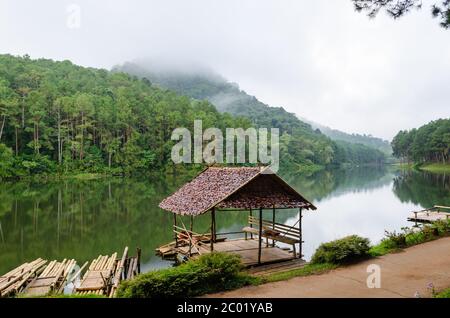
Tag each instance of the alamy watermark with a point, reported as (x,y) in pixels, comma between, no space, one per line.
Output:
(374,278)
(73,20)
(238,146)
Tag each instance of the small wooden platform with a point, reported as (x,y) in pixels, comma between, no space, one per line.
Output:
(247,249)
(436,213)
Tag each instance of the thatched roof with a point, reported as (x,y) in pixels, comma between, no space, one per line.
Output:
(243,188)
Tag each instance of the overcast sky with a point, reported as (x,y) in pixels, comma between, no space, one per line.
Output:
(318,58)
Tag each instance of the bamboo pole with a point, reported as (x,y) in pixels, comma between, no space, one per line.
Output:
(213,221)
(138,250)
(260,236)
(300,250)
(273,224)
(118,274)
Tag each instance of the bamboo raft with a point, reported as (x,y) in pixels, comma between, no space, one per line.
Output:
(102,277)
(106,272)
(52,279)
(14,281)
(430,215)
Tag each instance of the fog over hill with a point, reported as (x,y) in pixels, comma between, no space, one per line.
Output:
(201,82)
(300,142)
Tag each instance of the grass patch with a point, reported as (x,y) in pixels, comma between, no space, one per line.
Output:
(443,294)
(308,269)
(385,247)
(409,237)
(85,176)
(436,167)
(403,166)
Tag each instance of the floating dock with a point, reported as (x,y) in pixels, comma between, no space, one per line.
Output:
(430,215)
(40,278)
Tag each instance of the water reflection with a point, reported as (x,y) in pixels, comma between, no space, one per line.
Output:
(82,219)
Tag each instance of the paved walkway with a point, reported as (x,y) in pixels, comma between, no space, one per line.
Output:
(402,275)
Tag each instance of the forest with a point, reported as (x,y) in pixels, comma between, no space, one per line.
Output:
(367,140)
(301,145)
(57,117)
(429,143)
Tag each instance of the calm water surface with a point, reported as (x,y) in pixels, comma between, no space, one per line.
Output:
(82,219)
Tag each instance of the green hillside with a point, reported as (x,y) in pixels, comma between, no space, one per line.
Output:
(60,117)
(429,143)
(300,144)
(367,140)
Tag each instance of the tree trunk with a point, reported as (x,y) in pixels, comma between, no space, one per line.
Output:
(3,126)
(82,136)
(59,137)
(23,114)
(17,141)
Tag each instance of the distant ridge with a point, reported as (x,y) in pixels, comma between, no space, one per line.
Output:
(300,143)
(367,140)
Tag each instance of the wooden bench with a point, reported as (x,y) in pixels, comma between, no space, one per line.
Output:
(274,231)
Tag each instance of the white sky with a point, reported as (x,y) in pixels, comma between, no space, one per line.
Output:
(318,58)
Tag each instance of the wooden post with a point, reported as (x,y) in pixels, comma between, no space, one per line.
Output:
(251,224)
(260,236)
(300,233)
(213,228)
(191,227)
(139,260)
(273,225)
(173,229)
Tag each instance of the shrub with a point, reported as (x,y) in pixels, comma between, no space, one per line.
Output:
(210,273)
(396,240)
(443,294)
(341,251)
(410,236)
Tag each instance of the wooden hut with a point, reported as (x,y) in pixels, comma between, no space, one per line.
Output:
(246,189)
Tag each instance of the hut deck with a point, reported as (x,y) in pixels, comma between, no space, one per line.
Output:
(247,249)
(278,267)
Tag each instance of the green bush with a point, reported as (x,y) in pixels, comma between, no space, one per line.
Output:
(443,294)
(341,251)
(410,236)
(210,273)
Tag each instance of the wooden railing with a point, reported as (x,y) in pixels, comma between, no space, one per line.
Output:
(276,232)
(283,229)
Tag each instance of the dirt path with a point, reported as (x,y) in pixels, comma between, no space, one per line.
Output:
(402,275)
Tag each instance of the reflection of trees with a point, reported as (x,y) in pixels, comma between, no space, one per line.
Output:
(81,219)
(324,183)
(423,188)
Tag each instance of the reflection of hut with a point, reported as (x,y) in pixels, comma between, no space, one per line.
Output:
(237,189)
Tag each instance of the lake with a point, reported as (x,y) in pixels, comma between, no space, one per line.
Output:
(84,218)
